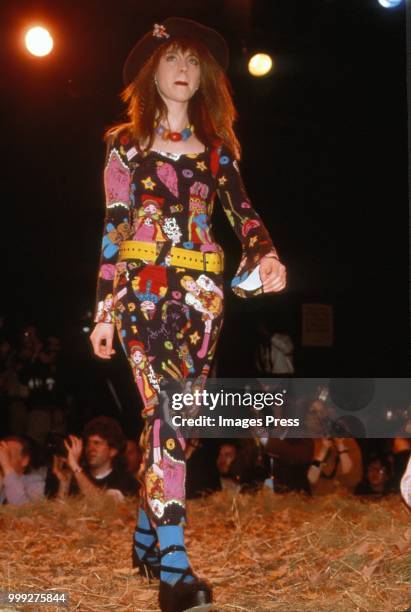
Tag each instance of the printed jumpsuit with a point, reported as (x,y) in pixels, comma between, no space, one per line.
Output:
(168,319)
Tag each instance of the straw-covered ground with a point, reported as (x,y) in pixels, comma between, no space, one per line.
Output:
(261,552)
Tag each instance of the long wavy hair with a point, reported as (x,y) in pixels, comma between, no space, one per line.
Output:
(211,109)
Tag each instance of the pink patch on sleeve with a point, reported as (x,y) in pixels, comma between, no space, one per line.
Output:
(117,180)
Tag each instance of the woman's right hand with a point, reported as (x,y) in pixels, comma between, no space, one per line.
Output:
(102,340)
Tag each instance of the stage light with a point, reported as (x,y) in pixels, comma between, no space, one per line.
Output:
(390,3)
(38,41)
(260,64)
(86,329)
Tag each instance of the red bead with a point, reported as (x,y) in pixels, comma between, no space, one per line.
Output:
(175,136)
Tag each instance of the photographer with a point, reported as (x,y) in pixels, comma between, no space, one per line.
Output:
(20,483)
(103,466)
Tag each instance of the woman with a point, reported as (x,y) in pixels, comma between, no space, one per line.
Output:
(162,286)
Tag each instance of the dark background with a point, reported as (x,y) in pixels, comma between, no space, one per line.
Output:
(324,161)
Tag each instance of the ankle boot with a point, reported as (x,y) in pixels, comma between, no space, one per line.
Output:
(193,596)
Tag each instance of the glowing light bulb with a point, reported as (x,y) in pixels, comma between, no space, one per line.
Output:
(389,3)
(38,41)
(260,64)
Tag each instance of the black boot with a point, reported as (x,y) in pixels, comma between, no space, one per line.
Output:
(145,566)
(193,596)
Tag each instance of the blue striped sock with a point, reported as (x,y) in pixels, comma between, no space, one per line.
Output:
(170,535)
(144,538)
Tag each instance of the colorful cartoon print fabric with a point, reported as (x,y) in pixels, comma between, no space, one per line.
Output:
(168,319)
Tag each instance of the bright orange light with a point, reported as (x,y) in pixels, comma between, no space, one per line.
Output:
(260,64)
(38,41)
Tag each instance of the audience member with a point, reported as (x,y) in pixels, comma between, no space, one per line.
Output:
(378,478)
(20,482)
(133,457)
(227,454)
(103,466)
(336,463)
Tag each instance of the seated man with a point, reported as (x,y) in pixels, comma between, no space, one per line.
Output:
(133,457)
(19,482)
(103,466)
(227,455)
(378,478)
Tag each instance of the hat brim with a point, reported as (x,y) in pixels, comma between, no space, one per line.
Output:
(170,29)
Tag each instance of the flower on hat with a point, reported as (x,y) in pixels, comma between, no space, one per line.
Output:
(160,31)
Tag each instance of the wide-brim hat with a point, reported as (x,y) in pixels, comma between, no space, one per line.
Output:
(173,27)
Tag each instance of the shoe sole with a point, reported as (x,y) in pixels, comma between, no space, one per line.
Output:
(201,608)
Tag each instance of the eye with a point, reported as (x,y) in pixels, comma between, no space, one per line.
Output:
(170,56)
(193,60)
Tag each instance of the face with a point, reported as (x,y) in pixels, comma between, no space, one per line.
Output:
(191,285)
(137,357)
(98,452)
(225,458)
(178,75)
(150,209)
(377,474)
(18,461)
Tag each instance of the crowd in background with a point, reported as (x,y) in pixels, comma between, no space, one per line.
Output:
(42,455)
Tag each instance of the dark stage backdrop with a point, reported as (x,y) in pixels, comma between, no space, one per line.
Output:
(325,163)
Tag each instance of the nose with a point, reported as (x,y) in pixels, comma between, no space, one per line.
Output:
(183,64)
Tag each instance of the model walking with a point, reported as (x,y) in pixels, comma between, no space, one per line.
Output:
(161,272)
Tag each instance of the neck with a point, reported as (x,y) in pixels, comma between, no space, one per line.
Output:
(177,117)
(101,469)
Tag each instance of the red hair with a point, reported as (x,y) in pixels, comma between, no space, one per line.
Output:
(211,110)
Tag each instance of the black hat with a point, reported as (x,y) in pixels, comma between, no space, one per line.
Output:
(171,28)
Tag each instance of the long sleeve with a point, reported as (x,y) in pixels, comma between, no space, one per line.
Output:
(246,223)
(22,489)
(117,181)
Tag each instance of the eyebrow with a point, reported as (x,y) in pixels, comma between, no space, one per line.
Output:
(177,49)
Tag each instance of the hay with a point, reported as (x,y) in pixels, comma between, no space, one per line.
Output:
(261,552)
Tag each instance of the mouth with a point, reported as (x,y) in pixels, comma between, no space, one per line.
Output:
(180,83)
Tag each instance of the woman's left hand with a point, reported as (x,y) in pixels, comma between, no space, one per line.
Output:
(273,274)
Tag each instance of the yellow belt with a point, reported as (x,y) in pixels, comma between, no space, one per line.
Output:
(180,258)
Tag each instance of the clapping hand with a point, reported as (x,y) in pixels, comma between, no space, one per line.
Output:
(60,468)
(74,448)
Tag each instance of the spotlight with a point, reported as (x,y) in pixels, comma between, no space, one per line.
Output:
(389,3)
(38,41)
(260,64)
(86,329)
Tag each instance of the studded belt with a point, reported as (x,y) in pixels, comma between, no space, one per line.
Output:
(180,258)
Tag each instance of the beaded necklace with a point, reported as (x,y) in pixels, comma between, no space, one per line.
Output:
(167,134)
